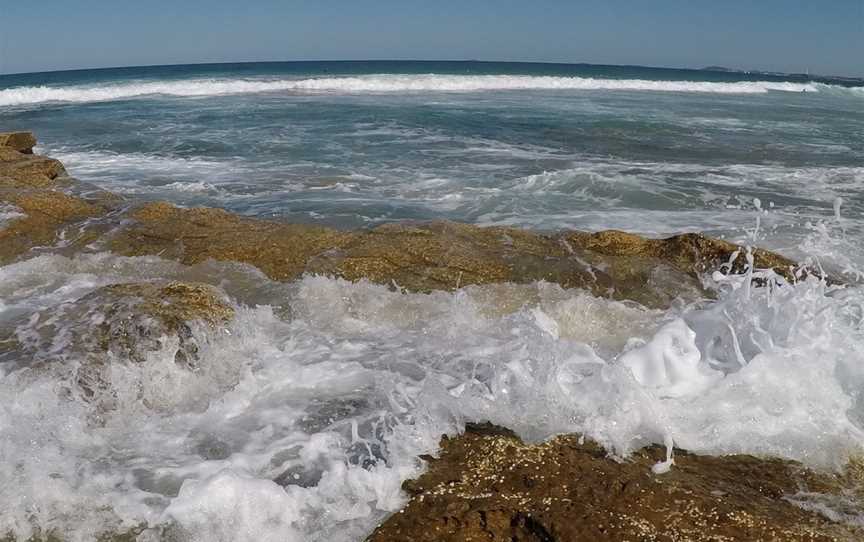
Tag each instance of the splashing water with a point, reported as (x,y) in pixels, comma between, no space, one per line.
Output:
(304,415)
(384,83)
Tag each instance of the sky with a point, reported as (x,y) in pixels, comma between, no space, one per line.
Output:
(778,35)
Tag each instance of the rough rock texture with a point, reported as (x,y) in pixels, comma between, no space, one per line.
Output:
(130,536)
(127,320)
(39,188)
(18,141)
(689,252)
(19,167)
(194,235)
(122,323)
(28,170)
(48,214)
(488,485)
(438,255)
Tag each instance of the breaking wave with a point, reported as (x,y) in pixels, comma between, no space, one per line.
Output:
(383,83)
(304,416)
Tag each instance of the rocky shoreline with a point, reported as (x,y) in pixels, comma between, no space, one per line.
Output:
(486,484)
(62,215)
(489,485)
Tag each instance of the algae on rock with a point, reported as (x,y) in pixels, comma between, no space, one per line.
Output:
(488,485)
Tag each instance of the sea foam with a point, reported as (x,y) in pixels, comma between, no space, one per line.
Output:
(305,415)
(383,83)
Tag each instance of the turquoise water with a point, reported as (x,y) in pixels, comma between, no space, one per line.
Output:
(305,413)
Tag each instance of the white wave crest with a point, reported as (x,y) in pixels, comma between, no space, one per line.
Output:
(384,83)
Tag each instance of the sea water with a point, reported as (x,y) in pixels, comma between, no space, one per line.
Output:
(307,411)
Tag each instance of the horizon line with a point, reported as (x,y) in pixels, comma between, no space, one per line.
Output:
(709,68)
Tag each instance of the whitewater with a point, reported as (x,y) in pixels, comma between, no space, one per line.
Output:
(382,83)
(311,406)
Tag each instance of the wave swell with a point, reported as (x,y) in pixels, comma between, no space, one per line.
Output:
(384,83)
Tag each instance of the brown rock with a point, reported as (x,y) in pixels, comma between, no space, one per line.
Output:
(47,213)
(8,154)
(28,170)
(122,323)
(418,257)
(692,253)
(488,485)
(19,141)
(194,235)
(447,255)
(135,318)
(172,303)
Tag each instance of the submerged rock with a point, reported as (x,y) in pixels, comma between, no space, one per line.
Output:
(122,323)
(489,485)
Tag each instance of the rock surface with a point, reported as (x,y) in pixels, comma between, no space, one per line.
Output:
(439,255)
(691,253)
(489,485)
(18,141)
(122,323)
(47,215)
(39,188)
(195,235)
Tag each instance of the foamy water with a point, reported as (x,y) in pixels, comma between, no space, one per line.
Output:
(9,213)
(383,83)
(303,415)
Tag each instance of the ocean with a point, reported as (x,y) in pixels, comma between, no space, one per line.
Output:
(342,385)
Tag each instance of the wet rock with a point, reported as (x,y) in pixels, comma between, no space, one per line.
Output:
(447,255)
(488,485)
(130,535)
(48,216)
(39,188)
(122,323)
(442,255)
(195,235)
(129,320)
(417,257)
(18,170)
(692,253)
(18,141)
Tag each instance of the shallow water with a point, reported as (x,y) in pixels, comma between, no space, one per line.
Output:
(307,411)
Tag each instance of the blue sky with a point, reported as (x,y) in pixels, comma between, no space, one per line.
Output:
(785,35)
